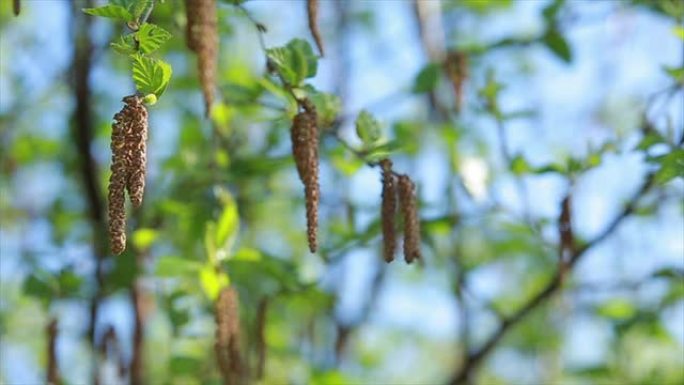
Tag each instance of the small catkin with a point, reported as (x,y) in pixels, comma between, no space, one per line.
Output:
(407,200)
(136,145)
(456,66)
(202,37)
(16,7)
(312,14)
(121,130)
(227,345)
(304,135)
(388,211)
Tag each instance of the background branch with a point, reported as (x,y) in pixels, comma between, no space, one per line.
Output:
(476,358)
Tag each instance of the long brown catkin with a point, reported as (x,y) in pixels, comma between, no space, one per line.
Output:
(389,210)
(136,145)
(202,37)
(121,129)
(409,210)
(304,136)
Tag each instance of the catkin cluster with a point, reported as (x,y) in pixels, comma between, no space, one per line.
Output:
(227,345)
(389,209)
(304,136)
(400,186)
(312,14)
(128,145)
(202,37)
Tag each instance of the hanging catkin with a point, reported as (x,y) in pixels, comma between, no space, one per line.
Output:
(456,66)
(312,14)
(407,200)
(129,133)
(227,344)
(121,129)
(304,135)
(202,37)
(389,209)
(136,146)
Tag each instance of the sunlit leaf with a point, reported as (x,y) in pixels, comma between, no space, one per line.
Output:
(151,37)
(368,128)
(151,76)
(172,266)
(295,61)
(110,11)
(212,281)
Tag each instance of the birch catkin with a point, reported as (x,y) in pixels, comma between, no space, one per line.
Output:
(129,133)
(227,344)
(388,211)
(202,37)
(136,146)
(409,211)
(117,181)
(312,15)
(304,136)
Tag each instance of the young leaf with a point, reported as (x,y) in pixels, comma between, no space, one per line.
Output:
(368,128)
(558,45)
(295,62)
(111,11)
(327,106)
(125,45)
(427,78)
(151,37)
(382,151)
(151,76)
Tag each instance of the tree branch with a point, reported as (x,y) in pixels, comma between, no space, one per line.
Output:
(475,358)
(83,134)
(52,375)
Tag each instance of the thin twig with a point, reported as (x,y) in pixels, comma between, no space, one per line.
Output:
(475,358)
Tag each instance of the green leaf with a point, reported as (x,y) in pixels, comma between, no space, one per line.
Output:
(671,166)
(40,286)
(110,11)
(151,37)
(650,140)
(617,309)
(144,238)
(328,106)
(348,164)
(172,266)
(69,283)
(295,61)
(125,45)
(184,365)
(138,7)
(382,151)
(555,42)
(151,76)
(427,78)
(228,223)
(368,128)
(519,165)
(676,73)
(212,281)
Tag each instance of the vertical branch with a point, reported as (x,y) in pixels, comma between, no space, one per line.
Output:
(262,311)
(83,133)
(136,372)
(52,375)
